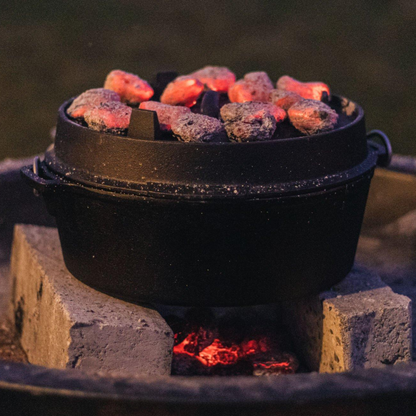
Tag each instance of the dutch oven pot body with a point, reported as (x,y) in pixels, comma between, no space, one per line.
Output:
(200,230)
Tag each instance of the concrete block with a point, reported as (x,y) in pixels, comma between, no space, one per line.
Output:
(360,323)
(63,323)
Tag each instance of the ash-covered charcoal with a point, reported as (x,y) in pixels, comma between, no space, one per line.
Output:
(186,365)
(199,128)
(184,90)
(90,98)
(308,90)
(312,116)
(166,113)
(131,88)
(246,122)
(216,78)
(285,364)
(112,117)
(256,86)
(278,113)
(284,99)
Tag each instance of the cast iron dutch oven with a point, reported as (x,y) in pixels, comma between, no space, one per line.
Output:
(216,224)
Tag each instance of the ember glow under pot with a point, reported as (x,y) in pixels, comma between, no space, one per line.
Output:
(218,224)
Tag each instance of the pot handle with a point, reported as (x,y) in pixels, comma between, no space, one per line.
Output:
(384,150)
(32,175)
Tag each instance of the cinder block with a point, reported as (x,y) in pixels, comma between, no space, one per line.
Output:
(63,323)
(360,323)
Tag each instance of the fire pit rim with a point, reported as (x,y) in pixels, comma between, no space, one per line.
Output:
(232,390)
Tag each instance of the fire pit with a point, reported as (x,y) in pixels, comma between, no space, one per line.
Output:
(215,224)
(38,390)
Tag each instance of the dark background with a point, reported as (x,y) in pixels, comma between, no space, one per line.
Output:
(52,50)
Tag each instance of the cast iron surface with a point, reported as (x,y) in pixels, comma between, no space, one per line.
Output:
(208,224)
(31,390)
(199,169)
(214,254)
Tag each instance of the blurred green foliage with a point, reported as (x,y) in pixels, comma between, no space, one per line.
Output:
(52,50)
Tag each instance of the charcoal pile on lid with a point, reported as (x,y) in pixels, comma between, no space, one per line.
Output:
(244,110)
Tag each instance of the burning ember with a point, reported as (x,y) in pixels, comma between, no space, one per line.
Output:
(182,91)
(209,106)
(113,117)
(256,86)
(229,349)
(311,116)
(308,90)
(284,99)
(250,121)
(166,114)
(215,78)
(89,99)
(131,89)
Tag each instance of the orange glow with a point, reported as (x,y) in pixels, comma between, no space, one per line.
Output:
(277,112)
(216,353)
(182,91)
(284,99)
(132,89)
(166,114)
(215,78)
(274,367)
(109,116)
(308,90)
(228,354)
(240,92)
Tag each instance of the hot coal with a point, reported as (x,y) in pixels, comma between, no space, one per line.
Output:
(245,122)
(229,345)
(277,112)
(308,90)
(112,117)
(196,93)
(256,86)
(284,364)
(183,90)
(187,365)
(312,116)
(90,98)
(284,99)
(131,88)
(199,128)
(215,78)
(166,114)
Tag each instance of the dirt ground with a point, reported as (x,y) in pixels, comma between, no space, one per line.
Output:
(10,349)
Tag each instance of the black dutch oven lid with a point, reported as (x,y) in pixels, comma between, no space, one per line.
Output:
(216,170)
